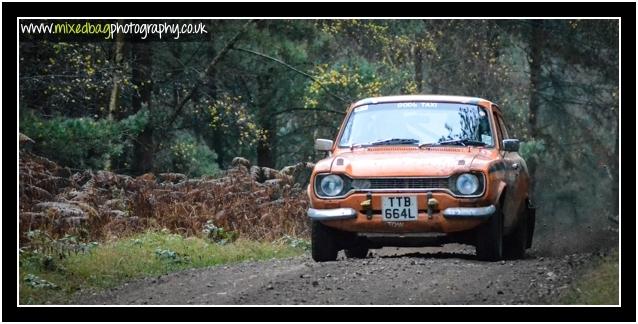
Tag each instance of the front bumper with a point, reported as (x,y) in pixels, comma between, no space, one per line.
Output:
(446,220)
(331,214)
(452,212)
(469,212)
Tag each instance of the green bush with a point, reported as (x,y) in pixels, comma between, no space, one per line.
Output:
(185,153)
(532,150)
(85,143)
(46,253)
(218,234)
(37,282)
(82,143)
(296,242)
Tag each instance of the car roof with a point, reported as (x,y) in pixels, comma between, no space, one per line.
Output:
(403,98)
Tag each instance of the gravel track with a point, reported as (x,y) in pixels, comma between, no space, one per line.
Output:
(424,276)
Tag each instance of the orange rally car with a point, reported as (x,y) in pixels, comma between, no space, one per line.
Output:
(417,171)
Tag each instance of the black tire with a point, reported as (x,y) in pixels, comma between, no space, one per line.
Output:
(515,243)
(323,243)
(531,223)
(357,252)
(489,240)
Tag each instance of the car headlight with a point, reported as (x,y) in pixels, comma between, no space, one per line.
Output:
(331,185)
(467,184)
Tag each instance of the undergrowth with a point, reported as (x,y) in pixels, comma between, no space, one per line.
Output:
(54,271)
(598,286)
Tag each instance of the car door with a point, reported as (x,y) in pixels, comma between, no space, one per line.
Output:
(515,178)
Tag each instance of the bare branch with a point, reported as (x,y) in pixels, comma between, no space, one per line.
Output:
(294,69)
(308,110)
(207,71)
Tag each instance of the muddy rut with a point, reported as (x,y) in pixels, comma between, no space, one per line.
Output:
(425,276)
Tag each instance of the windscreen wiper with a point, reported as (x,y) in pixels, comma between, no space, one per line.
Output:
(463,142)
(393,141)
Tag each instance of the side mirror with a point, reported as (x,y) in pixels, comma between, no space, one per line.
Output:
(323,144)
(510,145)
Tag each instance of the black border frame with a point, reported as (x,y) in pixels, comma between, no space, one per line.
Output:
(493,314)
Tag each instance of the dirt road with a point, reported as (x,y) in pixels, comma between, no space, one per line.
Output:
(448,275)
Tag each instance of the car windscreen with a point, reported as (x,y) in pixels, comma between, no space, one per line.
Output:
(417,123)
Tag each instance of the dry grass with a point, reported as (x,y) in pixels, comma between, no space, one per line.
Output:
(598,286)
(258,203)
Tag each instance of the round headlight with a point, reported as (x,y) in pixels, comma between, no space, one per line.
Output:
(331,185)
(467,184)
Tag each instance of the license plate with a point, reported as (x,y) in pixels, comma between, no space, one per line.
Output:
(399,208)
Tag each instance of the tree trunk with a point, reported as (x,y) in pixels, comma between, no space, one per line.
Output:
(535,68)
(264,153)
(614,166)
(115,91)
(217,142)
(218,147)
(418,67)
(265,144)
(141,77)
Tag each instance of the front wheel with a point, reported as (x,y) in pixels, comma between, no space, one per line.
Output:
(489,240)
(358,252)
(323,243)
(516,243)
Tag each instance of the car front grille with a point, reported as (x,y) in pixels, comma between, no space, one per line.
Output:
(408,183)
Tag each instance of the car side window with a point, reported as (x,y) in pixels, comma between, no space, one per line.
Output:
(499,131)
(501,126)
